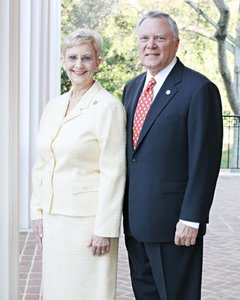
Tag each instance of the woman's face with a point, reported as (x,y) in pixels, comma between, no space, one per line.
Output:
(80,63)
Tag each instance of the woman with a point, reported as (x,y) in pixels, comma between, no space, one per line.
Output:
(78,180)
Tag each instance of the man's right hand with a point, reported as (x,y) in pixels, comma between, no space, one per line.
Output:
(185,235)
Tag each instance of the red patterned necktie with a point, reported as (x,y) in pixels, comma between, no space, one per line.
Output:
(142,109)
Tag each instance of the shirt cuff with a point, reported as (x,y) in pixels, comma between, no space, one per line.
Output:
(191,224)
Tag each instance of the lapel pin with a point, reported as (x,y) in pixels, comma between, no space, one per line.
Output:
(168,92)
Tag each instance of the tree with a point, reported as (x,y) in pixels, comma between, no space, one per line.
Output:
(225,42)
(92,14)
(120,59)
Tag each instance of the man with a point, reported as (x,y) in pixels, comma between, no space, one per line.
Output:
(174,151)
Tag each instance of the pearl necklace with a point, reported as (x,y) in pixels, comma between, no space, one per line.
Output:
(74,101)
(71,101)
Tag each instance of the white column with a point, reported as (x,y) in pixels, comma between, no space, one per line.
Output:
(29,77)
(40,28)
(9,87)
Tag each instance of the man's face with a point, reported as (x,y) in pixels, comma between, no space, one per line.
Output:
(157,44)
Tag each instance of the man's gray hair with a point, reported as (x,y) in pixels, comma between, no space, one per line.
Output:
(160,15)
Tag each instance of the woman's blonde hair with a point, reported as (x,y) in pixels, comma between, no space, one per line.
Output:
(81,36)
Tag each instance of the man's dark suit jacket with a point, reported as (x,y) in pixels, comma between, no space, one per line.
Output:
(172,172)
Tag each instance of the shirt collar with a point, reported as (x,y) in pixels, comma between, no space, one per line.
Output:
(162,75)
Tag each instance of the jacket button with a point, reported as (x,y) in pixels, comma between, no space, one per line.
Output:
(134,160)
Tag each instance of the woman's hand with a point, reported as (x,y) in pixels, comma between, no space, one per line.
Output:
(100,245)
(37,228)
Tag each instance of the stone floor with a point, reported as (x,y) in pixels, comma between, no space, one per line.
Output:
(221,274)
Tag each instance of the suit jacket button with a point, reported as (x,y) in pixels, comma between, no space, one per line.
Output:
(134,160)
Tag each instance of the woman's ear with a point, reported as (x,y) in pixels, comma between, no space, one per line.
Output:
(98,62)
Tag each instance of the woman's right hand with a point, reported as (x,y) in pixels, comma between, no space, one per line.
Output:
(37,227)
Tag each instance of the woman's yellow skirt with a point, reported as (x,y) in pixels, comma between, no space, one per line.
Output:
(70,271)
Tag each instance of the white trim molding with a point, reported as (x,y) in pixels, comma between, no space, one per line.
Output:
(9,88)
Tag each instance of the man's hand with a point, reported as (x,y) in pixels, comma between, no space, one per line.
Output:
(185,235)
(100,245)
(37,228)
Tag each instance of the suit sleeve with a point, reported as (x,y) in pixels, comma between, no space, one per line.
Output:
(37,173)
(36,211)
(111,133)
(205,131)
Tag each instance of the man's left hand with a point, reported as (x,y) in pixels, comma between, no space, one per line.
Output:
(185,235)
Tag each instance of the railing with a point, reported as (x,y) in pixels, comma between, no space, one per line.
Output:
(231,142)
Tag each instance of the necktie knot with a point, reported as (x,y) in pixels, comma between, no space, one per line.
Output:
(151,83)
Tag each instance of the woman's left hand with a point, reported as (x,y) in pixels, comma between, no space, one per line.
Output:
(100,245)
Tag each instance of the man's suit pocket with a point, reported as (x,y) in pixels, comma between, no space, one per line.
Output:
(174,187)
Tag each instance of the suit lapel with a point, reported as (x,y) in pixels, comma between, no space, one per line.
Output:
(62,105)
(84,102)
(132,103)
(164,96)
(135,97)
